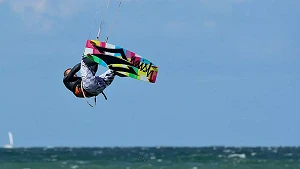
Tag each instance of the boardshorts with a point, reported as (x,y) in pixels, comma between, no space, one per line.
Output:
(95,84)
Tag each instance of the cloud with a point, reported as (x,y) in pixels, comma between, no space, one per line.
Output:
(36,6)
(45,12)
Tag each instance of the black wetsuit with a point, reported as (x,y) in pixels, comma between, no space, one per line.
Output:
(74,83)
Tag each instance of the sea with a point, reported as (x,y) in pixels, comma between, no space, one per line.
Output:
(151,158)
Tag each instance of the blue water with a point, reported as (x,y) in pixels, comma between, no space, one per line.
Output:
(151,158)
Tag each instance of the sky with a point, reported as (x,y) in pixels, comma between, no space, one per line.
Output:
(228,73)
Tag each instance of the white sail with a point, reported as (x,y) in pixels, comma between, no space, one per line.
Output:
(11,141)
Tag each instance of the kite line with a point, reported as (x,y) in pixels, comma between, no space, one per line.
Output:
(113,21)
(100,27)
(102,21)
(98,36)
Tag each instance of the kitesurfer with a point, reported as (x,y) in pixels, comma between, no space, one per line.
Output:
(88,85)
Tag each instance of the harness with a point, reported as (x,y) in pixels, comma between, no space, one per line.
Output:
(80,92)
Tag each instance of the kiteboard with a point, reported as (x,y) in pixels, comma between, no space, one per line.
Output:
(121,60)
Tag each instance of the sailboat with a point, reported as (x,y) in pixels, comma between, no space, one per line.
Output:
(11,141)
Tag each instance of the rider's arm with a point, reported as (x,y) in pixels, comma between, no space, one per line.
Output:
(73,71)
